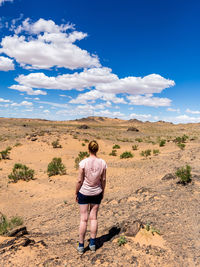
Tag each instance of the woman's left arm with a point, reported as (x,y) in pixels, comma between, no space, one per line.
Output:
(79,182)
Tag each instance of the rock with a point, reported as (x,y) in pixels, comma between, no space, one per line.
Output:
(34,139)
(84,126)
(169,176)
(131,229)
(132,129)
(19,231)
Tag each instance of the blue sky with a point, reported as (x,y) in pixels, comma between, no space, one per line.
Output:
(64,60)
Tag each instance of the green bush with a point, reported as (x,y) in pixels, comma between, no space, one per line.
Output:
(184,174)
(86,140)
(56,167)
(116,147)
(156,152)
(18,144)
(81,156)
(113,153)
(126,155)
(6,225)
(56,144)
(181,146)
(162,142)
(181,139)
(150,228)
(135,147)
(146,153)
(83,144)
(5,154)
(121,240)
(21,172)
(139,140)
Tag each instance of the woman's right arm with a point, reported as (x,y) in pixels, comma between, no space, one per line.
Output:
(103,181)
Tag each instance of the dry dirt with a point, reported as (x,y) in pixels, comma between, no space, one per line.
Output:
(135,192)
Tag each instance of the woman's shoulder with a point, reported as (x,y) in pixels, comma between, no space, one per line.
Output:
(103,162)
(82,162)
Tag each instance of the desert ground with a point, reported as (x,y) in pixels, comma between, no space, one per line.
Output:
(140,192)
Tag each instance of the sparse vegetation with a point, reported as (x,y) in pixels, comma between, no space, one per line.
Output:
(21,172)
(113,153)
(56,167)
(149,227)
(162,142)
(17,144)
(181,146)
(81,155)
(181,139)
(135,147)
(116,147)
(121,240)
(56,144)
(86,140)
(6,225)
(126,155)
(139,140)
(5,154)
(184,174)
(146,153)
(83,144)
(156,152)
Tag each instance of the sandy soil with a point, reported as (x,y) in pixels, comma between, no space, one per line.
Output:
(135,191)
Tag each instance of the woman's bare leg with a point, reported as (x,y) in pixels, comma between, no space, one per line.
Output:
(93,220)
(83,222)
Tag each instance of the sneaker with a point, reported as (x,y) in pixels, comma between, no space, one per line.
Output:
(80,250)
(92,247)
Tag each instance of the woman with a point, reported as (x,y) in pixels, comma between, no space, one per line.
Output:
(89,193)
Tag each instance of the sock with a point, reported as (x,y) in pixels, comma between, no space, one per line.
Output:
(92,241)
(81,245)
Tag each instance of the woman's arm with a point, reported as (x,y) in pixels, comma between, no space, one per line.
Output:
(79,181)
(103,181)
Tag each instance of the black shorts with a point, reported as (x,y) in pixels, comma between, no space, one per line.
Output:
(83,199)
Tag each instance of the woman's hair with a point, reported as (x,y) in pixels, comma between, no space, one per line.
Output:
(93,147)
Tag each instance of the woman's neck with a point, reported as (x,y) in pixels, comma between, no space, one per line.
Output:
(93,155)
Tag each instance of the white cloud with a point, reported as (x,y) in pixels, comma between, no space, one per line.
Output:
(23,103)
(79,81)
(149,84)
(192,111)
(46,111)
(6,64)
(2,1)
(174,109)
(47,45)
(94,95)
(54,104)
(4,100)
(149,100)
(27,89)
(142,117)
(184,119)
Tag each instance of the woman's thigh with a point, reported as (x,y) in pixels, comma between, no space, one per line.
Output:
(84,211)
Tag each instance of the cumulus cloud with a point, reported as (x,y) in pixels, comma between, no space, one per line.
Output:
(183,119)
(58,105)
(174,109)
(47,45)
(94,95)
(192,111)
(6,64)
(27,89)
(142,117)
(149,84)
(4,100)
(2,1)
(149,100)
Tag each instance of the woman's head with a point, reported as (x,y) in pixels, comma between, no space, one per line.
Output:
(93,147)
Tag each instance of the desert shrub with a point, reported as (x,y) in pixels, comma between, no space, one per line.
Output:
(181,139)
(149,227)
(56,144)
(116,147)
(56,167)
(17,144)
(21,172)
(135,147)
(181,146)
(6,225)
(83,144)
(156,152)
(121,240)
(126,155)
(139,140)
(162,142)
(113,153)
(146,153)
(5,154)
(81,155)
(86,140)
(75,136)
(184,174)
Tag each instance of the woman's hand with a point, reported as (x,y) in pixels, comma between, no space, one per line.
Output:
(76,198)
